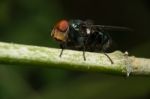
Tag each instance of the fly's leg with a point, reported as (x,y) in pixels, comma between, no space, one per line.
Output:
(84,52)
(62,49)
(108,57)
(106,43)
(105,46)
(105,54)
(84,47)
(104,49)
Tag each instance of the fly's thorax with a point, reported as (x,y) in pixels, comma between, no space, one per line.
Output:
(75,24)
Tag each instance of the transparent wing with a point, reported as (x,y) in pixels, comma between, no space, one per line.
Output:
(112,28)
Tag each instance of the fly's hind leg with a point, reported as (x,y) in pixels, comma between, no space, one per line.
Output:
(108,57)
(104,49)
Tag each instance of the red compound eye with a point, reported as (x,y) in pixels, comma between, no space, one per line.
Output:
(63,25)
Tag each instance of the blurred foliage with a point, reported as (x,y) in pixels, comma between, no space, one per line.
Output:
(30,22)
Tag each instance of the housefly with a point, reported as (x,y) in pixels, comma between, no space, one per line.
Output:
(84,36)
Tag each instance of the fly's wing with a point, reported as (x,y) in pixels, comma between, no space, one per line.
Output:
(112,28)
(111,46)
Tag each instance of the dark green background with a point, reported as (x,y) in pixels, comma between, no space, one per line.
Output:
(30,22)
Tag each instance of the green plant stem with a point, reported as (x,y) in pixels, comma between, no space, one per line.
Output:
(11,53)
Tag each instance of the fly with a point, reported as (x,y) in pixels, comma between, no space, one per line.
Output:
(83,36)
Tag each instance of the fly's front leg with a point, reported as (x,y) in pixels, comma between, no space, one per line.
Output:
(62,46)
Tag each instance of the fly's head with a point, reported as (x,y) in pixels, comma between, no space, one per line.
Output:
(60,31)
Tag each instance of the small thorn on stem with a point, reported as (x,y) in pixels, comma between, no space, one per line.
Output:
(128,66)
(126,53)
